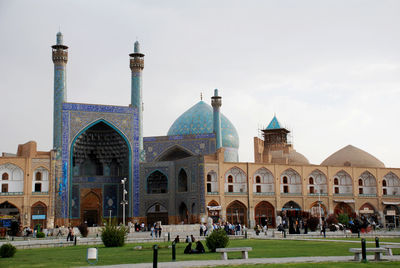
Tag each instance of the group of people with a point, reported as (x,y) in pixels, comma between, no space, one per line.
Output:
(155,230)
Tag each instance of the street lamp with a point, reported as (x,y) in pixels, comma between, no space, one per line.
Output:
(124,201)
(319,206)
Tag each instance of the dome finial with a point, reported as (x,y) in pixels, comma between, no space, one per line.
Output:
(136,47)
(201,96)
(59,38)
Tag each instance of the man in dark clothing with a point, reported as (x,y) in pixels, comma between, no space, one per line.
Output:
(188,249)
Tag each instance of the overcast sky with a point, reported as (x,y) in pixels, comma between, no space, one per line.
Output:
(330,70)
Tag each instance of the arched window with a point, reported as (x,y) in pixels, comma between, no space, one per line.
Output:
(157,183)
(235,180)
(4,177)
(264,181)
(212,182)
(391,184)
(290,182)
(344,183)
(38,176)
(182,181)
(367,184)
(317,183)
(236,212)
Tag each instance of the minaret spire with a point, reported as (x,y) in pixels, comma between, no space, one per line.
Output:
(60,59)
(137,65)
(216,103)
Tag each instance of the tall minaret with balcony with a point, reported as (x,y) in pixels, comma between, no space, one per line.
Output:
(216,103)
(60,59)
(137,65)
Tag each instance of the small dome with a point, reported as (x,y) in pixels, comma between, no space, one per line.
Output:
(297,158)
(352,156)
(199,120)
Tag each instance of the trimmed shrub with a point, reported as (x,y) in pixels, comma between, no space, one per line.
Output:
(7,250)
(217,239)
(343,219)
(113,236)
(313,223)
(40,234)
(83,229)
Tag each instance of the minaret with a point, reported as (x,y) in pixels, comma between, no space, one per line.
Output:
(60,58)
(216,102)
(137,65)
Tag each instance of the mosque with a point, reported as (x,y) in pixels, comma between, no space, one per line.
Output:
(101,166)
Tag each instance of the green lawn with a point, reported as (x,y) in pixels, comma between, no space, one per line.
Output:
(381,239)
(321,265)
(76,256)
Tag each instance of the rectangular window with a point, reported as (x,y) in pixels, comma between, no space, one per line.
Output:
(336,190)
(311,189)
(38,187)
(286,189)
(4,188)
(384,192)
(258,188)
(360,191)
(208,187)
(230,188)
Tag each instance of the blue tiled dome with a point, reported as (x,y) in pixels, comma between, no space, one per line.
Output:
(199,120)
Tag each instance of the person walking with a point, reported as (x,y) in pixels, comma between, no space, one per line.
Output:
(69,236)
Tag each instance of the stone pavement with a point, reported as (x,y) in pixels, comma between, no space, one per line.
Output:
(212,263)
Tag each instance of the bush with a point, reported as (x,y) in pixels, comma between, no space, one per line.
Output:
(83,229)
(343,219)
(217,239)
(7,250)
(113,235)
(313,223)
(40,234)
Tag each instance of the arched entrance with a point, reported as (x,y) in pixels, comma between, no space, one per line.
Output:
(318,209)
(100,159)
(236,213)
(213,210)
(157,213)
(91,209)
(9,214)
(344,208)
(265,214)
(392,214)
(39,215)
(183,213)
(291,213)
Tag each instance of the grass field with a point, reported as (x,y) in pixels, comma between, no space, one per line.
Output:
(76,256)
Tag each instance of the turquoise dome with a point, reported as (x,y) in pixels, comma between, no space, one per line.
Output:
(199,120)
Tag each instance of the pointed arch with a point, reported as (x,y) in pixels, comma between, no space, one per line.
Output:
(391,184)
(235,180)
(263,181)
(157,182)
(290,182)
(317,183)
(212,182)
(9,208)
(264,213)
(172,153)
(182,180)
(367,184)
(236,212)
(367,209)
(318,209)
(343,183)
(157,212)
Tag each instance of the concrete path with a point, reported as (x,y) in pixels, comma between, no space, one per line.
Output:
(212,263)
